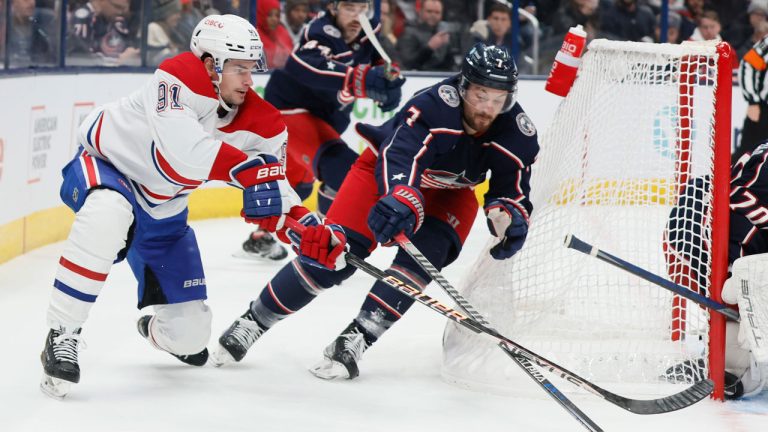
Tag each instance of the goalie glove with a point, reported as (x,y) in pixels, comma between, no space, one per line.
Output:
(267,196)
(748,287)
(506,222)
(320,245)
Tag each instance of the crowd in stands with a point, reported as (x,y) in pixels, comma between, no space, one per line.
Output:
(430,35)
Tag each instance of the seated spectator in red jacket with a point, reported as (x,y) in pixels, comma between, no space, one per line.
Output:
(276,39)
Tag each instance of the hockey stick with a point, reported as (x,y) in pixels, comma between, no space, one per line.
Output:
(368,30)
(573,242)
(523,362)
(685,398)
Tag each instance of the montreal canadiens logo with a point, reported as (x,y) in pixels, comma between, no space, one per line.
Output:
(525,124)
(449,95)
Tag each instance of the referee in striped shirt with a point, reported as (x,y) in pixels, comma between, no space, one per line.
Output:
(752,80)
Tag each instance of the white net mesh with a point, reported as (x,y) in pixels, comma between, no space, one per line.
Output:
(634,130)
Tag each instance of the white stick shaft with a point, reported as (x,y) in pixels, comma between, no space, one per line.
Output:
(368,30)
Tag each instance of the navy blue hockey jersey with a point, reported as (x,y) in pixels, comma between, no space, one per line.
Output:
(425,145)
(749,187)
(317,73)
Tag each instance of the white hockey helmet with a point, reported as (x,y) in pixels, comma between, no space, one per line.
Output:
(228,37)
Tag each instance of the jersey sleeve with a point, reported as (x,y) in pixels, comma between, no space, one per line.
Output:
(314,63)
(749,189)
(412,148)
(515,152)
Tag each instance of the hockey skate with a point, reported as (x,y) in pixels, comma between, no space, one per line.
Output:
(198,359)
(237,339)
(60,366)
(342,355)
(261,245)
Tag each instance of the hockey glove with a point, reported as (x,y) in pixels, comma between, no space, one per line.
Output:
(377,83)
(506,222)
(319,245)
(402,210)
(267,196)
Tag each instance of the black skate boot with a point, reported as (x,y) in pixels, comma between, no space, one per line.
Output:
(198,359)
(343,354)
(237,339)
(59,358)
(261,245)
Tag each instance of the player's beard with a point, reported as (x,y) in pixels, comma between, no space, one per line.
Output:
(479,122)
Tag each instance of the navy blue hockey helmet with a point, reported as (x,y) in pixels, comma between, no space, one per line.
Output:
(490,66)
(369,3)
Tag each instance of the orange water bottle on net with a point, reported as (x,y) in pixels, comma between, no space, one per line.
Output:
(567,61)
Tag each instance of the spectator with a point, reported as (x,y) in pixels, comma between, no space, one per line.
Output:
(629,21)
(708,28)
(99,34)
(496,29)
(190,16)
(690,14)
(571,14)
(673,28)
(294,17)
(31,41)
(423,46)
(758,22)
(162,40)
(276,39)
(387,36)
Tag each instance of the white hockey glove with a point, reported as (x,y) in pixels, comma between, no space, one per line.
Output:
(748,287)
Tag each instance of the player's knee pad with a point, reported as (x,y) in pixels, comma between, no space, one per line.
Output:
(332,163)
(101,226)
(182,328)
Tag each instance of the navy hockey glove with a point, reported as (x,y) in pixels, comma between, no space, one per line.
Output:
(319,245)
(402,210)
(506,222)
(378,83)
(263,198)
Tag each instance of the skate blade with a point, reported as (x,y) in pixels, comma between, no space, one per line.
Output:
(54,387)
(329,370)
(220,357)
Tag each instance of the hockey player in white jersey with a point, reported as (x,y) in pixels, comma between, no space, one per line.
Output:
(197,119)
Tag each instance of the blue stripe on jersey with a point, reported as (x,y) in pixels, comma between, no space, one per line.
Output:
(157,166)
(90,129)
(68,290)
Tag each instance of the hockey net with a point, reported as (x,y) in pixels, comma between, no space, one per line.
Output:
(645,127)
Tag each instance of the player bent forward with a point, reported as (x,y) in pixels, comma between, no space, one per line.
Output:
(416,178)
(746,350)
(196,119)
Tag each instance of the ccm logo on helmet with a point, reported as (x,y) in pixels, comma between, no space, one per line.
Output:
(214,23)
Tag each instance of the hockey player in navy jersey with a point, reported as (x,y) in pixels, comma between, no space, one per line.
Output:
(333,65)
(417,177)
(746,364)
(196,119)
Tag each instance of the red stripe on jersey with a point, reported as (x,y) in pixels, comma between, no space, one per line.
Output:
(90,170)
(227,158)
(97,140)
(257,116)
(170,172)
(82,271)
(156,196)
(190,70)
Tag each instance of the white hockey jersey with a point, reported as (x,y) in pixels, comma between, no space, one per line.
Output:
(167,138)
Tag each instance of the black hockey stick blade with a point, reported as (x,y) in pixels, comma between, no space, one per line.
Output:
(526,365)
(685,398)
(573,242)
